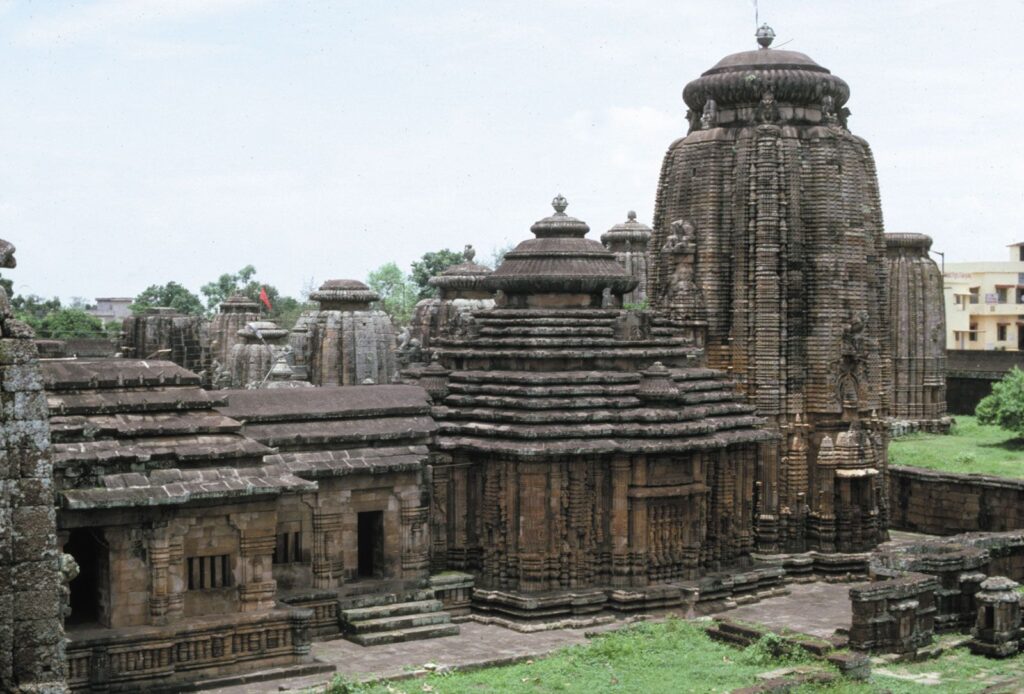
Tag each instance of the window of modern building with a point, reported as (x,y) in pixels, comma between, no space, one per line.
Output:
(973,334)
(975,294)
(1002,330)
(206,573)
(1001,295)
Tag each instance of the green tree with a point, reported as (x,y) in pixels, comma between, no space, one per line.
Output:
(398,293)
(70,322)
(284,310)
(227,284)
(33,309)
(498,254)
(433,263)
(171,295)
(1005,405)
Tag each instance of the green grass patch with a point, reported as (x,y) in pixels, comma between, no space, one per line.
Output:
(678,656)
(969,448)
(673,656)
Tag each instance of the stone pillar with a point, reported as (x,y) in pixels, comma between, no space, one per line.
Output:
(31,623)
(166,558)
(414,516)
(533,527)
(440,477)
(638,535)
(256,552)
(327,562)
(620,520)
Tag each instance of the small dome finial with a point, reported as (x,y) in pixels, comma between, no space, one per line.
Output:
(631,216)
(559,203)
(765,35)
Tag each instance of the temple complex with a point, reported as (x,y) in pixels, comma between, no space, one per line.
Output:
(768,226)
(917,316)
(628,241)
(347,342)
(670,417)
(584,452)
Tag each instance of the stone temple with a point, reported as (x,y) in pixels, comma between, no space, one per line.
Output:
(682,416)
(768,226)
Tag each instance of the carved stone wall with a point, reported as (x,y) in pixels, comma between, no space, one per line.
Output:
(943,503)
(233,315)
(917,316)
(163,333)
(768,226)
(32,657)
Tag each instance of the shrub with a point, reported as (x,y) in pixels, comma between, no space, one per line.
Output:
(1005,405)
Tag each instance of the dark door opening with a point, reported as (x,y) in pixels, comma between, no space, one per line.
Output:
(89,588)
(1020,333)
(371,544)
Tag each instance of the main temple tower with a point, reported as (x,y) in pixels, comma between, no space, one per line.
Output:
(776,207)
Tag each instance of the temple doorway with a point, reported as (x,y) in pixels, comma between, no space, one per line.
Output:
(371,544)
(90,588)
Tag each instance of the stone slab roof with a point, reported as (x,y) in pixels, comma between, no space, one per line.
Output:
(339,402)
(318,464)
(333,418)
(110,416)
(89,374)
(180,487)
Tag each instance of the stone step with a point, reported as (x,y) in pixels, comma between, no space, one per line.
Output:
(399,623)
(416,633)
(361,614)
(548,331)
(356,601)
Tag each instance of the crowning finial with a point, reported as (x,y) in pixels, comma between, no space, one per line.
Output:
(631,216)
(559,203)
(765,35)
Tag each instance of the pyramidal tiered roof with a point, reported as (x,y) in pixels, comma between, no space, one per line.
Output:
(539,382)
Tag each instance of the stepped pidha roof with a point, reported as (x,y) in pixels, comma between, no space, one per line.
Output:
(536,383)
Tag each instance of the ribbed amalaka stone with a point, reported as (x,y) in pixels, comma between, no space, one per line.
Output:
(917,316)
(628,241)
(583,451)
(349,342)
(461,290)
(768,225)
(164,333)
(251,359)
(233,315)
(31,622)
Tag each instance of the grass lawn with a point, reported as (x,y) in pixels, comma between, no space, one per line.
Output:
(677,656)
(971,447)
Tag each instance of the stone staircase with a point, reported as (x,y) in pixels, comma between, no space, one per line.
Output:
(372,620)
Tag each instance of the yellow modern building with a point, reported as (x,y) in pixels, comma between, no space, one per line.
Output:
(985,303)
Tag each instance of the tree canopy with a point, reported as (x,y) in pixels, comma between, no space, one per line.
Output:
(67,323)
(432,263)
(398,293)
(171,295)
(1005,405)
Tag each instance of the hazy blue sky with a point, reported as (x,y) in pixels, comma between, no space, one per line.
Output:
(146,141)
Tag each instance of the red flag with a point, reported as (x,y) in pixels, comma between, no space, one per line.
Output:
(265,299)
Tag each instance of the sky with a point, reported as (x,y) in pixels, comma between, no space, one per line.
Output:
(147,141)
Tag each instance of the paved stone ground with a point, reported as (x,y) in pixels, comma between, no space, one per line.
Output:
(477,643)
(812,608)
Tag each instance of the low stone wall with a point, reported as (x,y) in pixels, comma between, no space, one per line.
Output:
(144,658)
(943,503)
(970,374)
(896,615)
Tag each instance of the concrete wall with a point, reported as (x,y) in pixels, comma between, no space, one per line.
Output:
(970,375)
(942,503)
